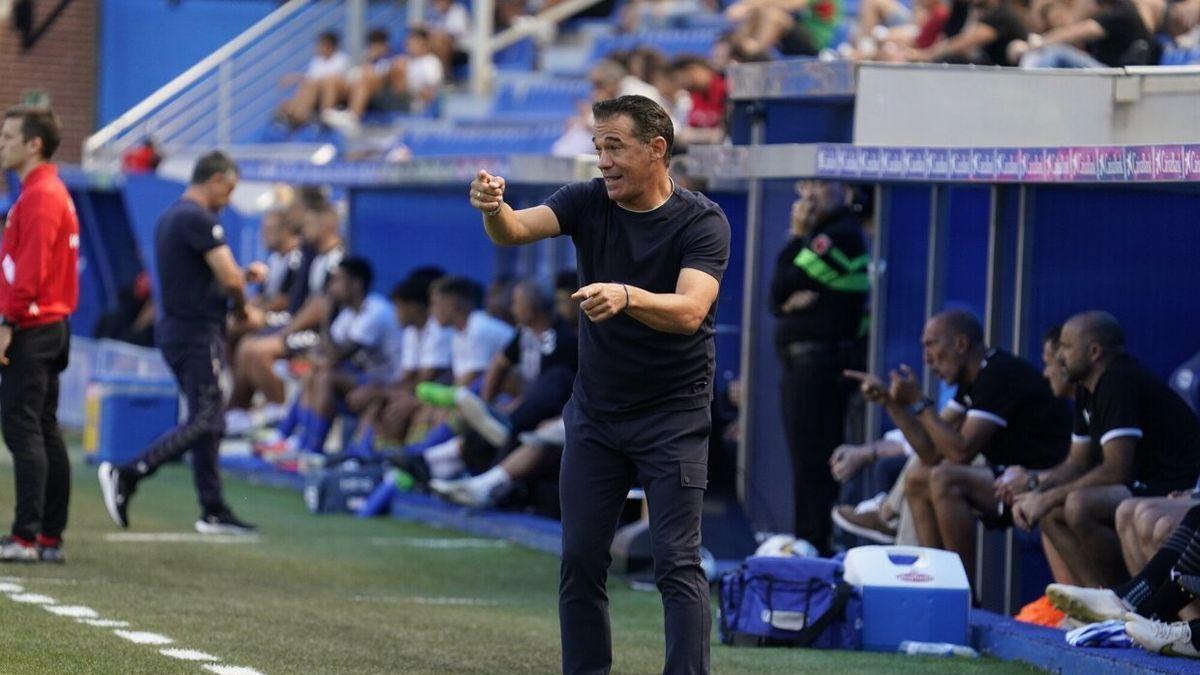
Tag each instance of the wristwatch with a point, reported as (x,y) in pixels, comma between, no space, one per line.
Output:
(920,406)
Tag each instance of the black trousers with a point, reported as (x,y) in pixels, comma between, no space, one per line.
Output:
(197,366)
(668,453)
(814,396)
(29,415)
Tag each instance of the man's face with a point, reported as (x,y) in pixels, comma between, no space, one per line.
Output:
(14,150)
(1053,371)
(944,353)
(325,48)
(220,189)
(823,196)
(441,306)
(272,232)
(416,46)
(627,164)
(408,313)
(1073,353)
(339,286)
(378,50)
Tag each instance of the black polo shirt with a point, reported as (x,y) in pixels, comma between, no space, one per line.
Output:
(1011,393)
(626,368)
(1129,401)
(190,301)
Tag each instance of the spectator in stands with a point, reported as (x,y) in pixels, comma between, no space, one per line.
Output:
(984,41)
(794,27)
(878,19)
(545,355)
(610,79)
(1002,414)
(364,86)
(318,88)
(425,357)
(818,292)
(1148,441)
(567,308)
(254,361)
(1114,35)
(408,83)
(1164,589)
(362,347)
(706,119)
(449,26)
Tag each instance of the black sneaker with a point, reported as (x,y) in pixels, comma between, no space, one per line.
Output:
(117,487)
(223,522)
(16,550)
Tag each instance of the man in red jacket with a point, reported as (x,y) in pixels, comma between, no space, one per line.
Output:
(39,289)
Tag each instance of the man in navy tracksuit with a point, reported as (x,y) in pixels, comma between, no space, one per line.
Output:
(650,260)
(199,284)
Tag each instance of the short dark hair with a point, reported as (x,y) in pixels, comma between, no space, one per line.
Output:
(418,32)
(415,287)
(1053,334)
(566,280)
(378,34)
(961,322)
(462,288)
(331,37)
(212,164)
(357,267)
(649,119)
(38,123)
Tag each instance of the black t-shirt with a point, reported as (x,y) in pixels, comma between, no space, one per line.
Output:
(536,354)
(1123,27)
(1034,426)
(1008,26)
(1130,401)
(832,262)
(627,368)
(190,300)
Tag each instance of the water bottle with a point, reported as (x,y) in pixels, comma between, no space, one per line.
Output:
(913,647)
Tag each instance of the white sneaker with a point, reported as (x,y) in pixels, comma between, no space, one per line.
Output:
(1172,639)
(475,412)
(1090,605)
(456,492)
(344,121)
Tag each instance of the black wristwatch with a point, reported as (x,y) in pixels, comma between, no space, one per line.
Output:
(920,406)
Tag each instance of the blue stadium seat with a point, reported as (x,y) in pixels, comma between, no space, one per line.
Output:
(670,42)
(540,99)
(476,140)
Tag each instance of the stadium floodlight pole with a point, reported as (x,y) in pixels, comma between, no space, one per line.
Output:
(481,46)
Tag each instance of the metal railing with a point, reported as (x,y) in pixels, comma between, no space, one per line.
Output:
(229,96)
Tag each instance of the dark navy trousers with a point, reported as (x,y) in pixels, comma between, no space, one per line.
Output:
(668,453)
(197,365)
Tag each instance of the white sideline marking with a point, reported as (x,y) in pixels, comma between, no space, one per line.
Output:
(33,599)
(434,543)
(105,623)
(188,655)
(6,587)
(230,670)
(426,601)
(178,538)
(141,638)
(73,611)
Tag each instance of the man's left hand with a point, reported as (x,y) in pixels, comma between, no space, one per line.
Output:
(6,333)
(601,302)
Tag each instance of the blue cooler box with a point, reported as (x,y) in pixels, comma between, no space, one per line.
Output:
(909,593)
(341,489)
(126,413)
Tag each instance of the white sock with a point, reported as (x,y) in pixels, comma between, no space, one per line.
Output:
(445,468)
(485,484)
(447,450)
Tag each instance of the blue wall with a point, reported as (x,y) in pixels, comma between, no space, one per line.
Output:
(146,43)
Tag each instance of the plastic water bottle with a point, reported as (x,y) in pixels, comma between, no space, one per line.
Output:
(914,648)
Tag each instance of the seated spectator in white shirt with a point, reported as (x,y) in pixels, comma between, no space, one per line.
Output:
(318,88)
(449,25)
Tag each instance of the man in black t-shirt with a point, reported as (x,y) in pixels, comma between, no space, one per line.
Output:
(1003,413)
(985,41)
(1133,437)
(650,257)
(1114,36)
(198,280)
